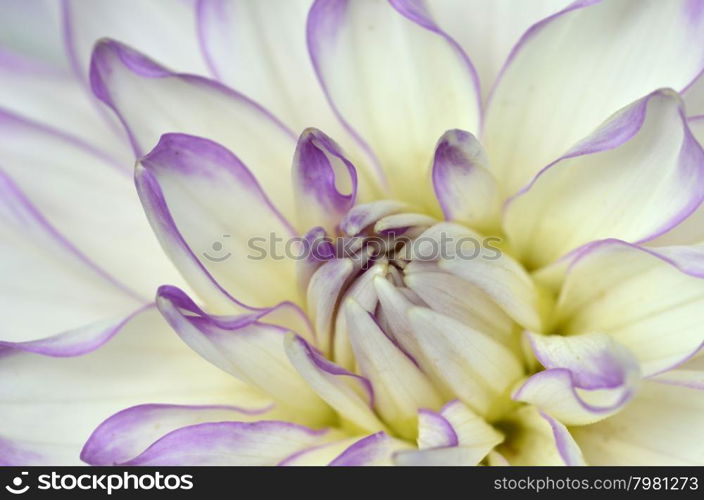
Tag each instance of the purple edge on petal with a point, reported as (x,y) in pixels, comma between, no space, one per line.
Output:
(565,375)
(327,15)
(329,367)
(447,156)
(207,432)
(173,150)
(416,11)
(63,344)
(121,422)
(139,64)
(447,429)
(361,452)
(315,174)
(14,197)
(616,133)
(563,440)
(183,302)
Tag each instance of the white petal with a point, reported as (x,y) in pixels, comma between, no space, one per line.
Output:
(88,197)
(139,90)
(535,439)
(42,269)
(465,188)
(400,387)
(246,346)
(376,449)
(647,301)
(361,51)
(253,46)
(146,363)
(193,190)
(469,363)
(349,394)
(659,427)
(474,259)
(636,177)
(587,378)
(165,30)
(571,71)
(488,30)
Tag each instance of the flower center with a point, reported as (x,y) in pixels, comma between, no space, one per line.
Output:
(427,291)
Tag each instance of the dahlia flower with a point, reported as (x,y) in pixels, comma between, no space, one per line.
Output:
(406,232)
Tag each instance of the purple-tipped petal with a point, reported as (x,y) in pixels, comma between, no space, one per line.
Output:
(587,378)
(242,345)
(230,443)
(192,190)
(464,186)
(324,181)
(376,449)
(350,395)
(138,90)
(128,433)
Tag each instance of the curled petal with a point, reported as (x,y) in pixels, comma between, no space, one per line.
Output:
(324,180)
(588,377)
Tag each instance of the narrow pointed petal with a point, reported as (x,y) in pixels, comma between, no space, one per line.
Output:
(607,53)
(587,378)
(464,186)
(145,363)
(360,49)
(657,428)
(400,388)
(323,298)
(350,395)
(471,429)
(639,175)
(231,443)
(241,346)
(131,431)
(190,188)
(376,449)
(470,363)
(649,300)
(324,181)
(138,90)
